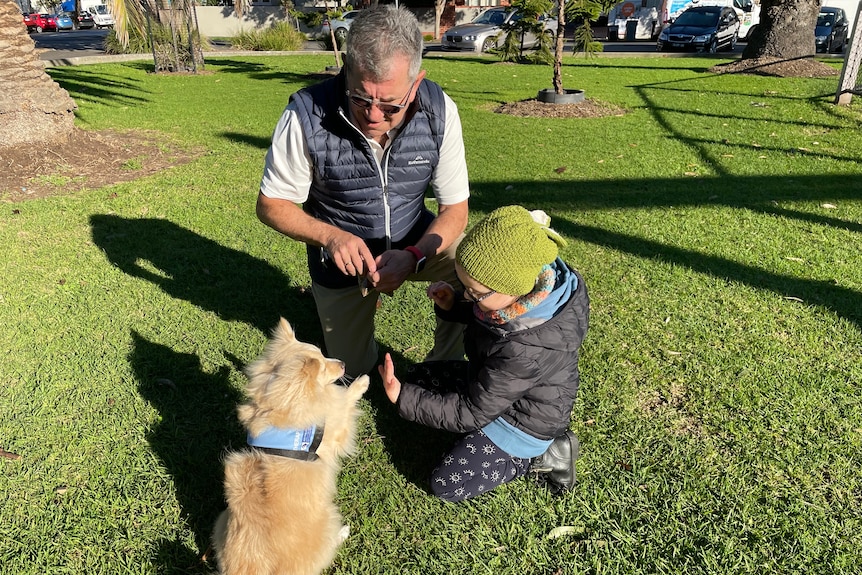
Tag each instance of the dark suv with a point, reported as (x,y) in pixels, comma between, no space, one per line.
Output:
(703,29)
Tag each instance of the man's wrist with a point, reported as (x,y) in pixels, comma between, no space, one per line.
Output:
(418,256)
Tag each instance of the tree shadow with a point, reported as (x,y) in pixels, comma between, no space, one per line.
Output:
(87,85)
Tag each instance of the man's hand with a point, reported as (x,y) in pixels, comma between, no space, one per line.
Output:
(350,254)
(442,294)
(391,270)
(390,382)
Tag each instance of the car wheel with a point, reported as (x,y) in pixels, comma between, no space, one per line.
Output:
(488,44)
(713,46)
(341,34)
(38,29)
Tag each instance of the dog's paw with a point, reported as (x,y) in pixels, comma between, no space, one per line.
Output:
(360,384)
(343,533)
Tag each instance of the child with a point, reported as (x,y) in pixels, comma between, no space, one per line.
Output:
(526,313)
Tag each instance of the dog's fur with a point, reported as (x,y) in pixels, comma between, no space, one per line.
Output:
(281,517)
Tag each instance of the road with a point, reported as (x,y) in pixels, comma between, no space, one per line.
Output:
(83,43)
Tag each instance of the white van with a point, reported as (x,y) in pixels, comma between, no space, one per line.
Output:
(644,19)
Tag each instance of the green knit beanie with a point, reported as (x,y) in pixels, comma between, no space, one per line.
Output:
(508,248)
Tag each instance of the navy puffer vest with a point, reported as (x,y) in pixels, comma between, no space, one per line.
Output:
(348,186)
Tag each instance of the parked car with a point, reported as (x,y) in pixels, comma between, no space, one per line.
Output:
(41,22)
(85,21)
(63,21)
(483,33)
(831,31)
(30,21)
(702,28)
(340,26)
(102,17)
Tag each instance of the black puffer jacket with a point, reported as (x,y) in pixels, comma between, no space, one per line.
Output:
(530,377)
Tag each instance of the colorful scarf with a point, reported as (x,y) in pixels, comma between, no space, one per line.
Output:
(544,286)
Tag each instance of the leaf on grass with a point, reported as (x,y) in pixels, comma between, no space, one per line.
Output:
(690,173)
(590,422)
(792,298)
(560,170)
(8,454)
(624,466)
(61,489)
(671,352)
(761,157)
(601,161)
(166,382)
(563,530)
(828,206)
(727,155)
(803,149)
(510,187)
(800,260)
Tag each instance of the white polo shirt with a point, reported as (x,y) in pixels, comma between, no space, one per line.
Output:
(288,169)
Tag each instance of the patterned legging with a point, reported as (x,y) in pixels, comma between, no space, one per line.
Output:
(475,464)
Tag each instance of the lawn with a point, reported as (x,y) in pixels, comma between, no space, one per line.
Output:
(717,223)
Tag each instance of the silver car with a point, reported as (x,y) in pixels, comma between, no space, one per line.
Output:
(482,33)
(340,26)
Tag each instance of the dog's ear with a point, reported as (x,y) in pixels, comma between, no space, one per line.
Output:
(283,332)
(311,368)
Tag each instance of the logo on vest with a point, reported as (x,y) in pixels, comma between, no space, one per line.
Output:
(418,160)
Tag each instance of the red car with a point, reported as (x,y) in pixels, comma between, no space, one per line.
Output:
(40,22)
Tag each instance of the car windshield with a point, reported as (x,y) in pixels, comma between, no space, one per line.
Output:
(495,17)
(698,18)
(101,9)
(826,19)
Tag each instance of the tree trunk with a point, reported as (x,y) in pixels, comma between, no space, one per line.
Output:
(558,47)
(33,107)
(439,6)
(785,30)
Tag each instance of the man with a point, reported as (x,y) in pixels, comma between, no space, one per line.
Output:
(358,151)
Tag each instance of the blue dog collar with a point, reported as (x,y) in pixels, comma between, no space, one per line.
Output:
(294,443)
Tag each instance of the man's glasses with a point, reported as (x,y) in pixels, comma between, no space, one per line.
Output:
(387,109)
(476,298)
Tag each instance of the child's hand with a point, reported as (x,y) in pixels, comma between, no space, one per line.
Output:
(443,295)
(390,382)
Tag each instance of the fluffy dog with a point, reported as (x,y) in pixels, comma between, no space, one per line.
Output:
(281,517)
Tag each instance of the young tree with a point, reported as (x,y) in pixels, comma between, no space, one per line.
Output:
(784,31)
(34,109)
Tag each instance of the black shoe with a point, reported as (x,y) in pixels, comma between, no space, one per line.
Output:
(556,467)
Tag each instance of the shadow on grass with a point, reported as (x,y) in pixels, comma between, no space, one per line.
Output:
(413,449)
(197,422)
(86,84)
(755,194)
(227,282)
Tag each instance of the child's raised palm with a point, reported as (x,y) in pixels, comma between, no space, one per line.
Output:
(442,294)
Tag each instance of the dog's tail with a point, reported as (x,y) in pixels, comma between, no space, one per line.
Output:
(246,546)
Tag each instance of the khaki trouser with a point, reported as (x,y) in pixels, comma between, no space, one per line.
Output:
(347,319)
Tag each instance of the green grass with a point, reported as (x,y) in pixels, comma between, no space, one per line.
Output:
(717,224)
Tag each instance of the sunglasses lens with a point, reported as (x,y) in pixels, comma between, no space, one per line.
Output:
(387,109)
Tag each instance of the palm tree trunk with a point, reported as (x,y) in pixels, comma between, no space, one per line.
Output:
(33,107)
